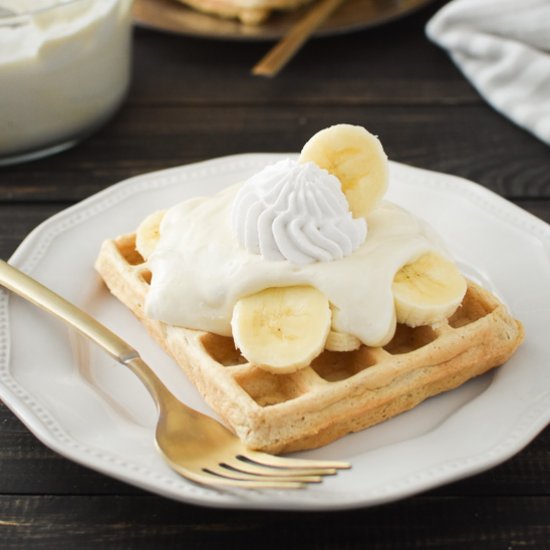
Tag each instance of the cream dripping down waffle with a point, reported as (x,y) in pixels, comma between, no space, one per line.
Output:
(249,12)
(302,304)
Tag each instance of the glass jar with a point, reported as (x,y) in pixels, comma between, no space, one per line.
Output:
(64,70)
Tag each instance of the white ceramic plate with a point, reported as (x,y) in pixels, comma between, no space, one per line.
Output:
(85,406)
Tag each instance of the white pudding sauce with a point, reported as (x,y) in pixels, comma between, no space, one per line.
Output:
(200,270)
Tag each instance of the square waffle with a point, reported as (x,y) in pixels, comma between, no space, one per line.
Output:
(340,392)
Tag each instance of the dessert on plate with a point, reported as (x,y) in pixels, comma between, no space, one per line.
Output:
(302,304)
(249,12)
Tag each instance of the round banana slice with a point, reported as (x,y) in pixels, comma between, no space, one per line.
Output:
(148,234)
(282,329)
(427,290)
(342,341)
(356,158)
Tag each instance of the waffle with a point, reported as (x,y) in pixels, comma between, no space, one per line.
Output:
(249,12)
(340,392)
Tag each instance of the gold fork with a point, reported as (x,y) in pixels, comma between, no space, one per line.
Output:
(194,445)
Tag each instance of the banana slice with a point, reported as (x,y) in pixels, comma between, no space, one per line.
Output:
(342,341)
(282,329)
(148,234)
(427,290)
(356,158)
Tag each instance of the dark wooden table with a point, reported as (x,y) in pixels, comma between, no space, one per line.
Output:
(194,99)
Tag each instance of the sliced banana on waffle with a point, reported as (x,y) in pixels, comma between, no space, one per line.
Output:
(282,329)
(148,234)
(356,158)
(342,341)
(427,290)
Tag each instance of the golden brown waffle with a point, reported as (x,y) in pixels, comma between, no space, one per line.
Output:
(249,12)
(340,392)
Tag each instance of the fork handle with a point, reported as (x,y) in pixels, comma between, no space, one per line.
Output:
(30,289)
(41,296)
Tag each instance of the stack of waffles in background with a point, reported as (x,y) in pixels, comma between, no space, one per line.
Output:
(249,12)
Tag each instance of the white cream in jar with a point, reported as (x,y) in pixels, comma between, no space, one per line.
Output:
(64,69)
(200,270)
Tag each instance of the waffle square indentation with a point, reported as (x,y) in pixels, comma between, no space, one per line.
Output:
(222,349)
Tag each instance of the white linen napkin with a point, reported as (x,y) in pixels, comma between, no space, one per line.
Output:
(503,48)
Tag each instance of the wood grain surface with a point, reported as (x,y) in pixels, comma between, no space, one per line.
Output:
(194,99)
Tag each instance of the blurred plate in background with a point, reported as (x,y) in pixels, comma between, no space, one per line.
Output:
(353,15)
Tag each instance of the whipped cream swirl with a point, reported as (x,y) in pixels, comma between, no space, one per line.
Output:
(295,212)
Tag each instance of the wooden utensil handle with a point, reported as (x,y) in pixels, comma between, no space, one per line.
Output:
(286,48)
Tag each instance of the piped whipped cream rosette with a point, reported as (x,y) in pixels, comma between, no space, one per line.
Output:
(296,212)
(302,257)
